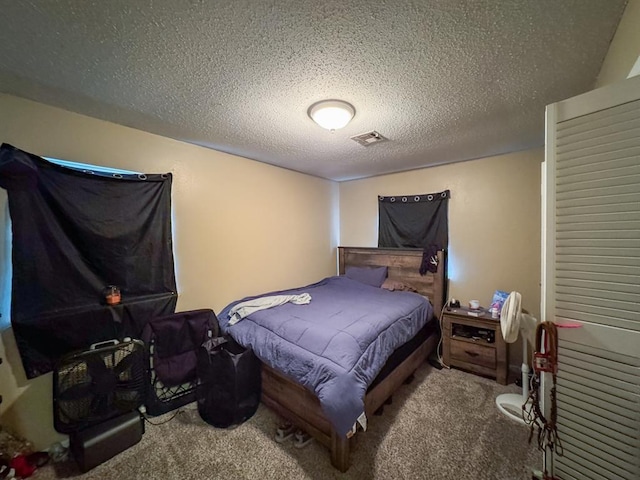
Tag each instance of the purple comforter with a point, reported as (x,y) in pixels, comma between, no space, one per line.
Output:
(336,345)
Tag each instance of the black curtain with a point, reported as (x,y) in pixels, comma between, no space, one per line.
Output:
(73,233)
(414,221)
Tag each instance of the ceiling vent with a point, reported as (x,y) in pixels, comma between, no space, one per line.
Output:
(369,138)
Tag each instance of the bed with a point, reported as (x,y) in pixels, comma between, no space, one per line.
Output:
(305,403)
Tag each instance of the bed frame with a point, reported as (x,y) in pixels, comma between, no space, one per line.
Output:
(300,406)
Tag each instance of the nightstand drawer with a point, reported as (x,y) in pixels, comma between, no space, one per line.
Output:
(473,353)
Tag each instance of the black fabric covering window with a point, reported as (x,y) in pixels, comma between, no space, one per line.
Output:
(73,233)
(414,221)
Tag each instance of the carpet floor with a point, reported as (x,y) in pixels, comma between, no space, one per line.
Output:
(444,425)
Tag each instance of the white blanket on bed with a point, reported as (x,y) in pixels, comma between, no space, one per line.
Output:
(243,309)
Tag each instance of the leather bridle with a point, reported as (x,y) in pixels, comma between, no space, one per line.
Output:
(544,361)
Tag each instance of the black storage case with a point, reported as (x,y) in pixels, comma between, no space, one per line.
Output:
(230,382)
(95,445)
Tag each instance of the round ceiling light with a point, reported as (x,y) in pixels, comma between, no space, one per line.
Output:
(332,114)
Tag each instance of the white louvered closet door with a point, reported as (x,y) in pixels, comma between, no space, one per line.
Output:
(591,276)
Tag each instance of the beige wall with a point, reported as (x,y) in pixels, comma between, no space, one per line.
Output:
(241,227)
(624,49)
(494,221)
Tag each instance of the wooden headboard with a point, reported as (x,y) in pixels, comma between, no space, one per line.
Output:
(403,265)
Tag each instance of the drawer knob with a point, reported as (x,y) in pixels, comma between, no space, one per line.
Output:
(471,354)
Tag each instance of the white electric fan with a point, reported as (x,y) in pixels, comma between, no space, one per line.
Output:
(512,321)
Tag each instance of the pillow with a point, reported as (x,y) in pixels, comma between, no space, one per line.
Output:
(398,286)
(367,275)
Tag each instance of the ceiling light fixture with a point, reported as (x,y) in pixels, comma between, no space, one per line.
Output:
(332,114)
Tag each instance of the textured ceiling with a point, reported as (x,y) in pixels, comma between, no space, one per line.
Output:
(443,80)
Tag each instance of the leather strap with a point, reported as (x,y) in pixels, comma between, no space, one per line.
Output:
(547,431)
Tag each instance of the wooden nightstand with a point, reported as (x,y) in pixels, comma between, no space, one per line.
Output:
(474,344)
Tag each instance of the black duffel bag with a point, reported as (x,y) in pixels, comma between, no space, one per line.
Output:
(229,382)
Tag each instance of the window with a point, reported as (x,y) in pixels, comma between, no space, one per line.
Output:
(88,167)
(5,261)
(5,237)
